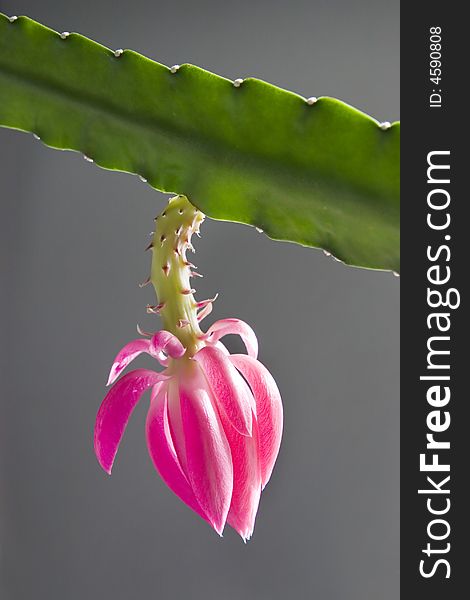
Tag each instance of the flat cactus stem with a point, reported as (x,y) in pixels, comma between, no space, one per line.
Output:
(314,170)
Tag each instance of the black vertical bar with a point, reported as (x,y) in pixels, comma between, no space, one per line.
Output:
(434,123)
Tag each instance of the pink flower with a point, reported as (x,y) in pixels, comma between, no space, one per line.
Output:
(215,420)
(213,427)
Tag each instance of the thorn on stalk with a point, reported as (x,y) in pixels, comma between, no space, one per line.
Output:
(143,332)
(155,310)
(145,282)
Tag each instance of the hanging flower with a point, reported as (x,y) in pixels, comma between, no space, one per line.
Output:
(214,423)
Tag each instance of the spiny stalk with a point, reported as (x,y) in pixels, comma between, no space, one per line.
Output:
(171,273)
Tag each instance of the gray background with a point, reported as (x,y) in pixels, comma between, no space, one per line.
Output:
(72,239)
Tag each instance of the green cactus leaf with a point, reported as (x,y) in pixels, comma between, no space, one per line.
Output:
(317,173)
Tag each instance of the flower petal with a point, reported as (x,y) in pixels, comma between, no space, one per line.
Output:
(246,480)
(162,451)
(115,411)
(164,344)
(176,423)
(269,410)
(209,462)
(127,355)
(228,386)
(237,327)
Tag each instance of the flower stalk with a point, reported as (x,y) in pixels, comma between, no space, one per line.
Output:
(171,272)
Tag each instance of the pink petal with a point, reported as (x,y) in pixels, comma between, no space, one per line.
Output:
(127,355)
(176,424)
(237,327)
(222,347)
(115,411)
(246,480)
(209,470)
(229,388)
(269,410)
(164,344)
(162,451)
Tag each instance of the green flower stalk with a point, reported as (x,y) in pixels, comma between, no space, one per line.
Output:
(171,273)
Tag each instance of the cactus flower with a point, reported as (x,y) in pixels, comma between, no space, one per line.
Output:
(214,423)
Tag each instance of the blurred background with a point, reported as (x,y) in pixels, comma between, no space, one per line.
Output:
(72,254)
